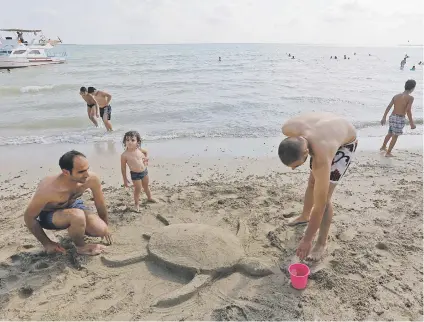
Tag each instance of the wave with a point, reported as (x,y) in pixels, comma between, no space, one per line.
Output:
(16,90)
(90,135)
(366,124)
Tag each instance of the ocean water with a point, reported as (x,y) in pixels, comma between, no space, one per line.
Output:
(182,91)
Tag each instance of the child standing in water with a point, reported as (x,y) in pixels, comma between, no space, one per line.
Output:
(136,158)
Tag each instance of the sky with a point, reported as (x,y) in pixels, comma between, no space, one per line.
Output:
(336,22)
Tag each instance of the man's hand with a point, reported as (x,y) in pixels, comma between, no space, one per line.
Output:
(383,121)
(108,238)
(303,249)
(413,126)
(53,247)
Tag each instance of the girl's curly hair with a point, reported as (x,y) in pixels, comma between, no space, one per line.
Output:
(132,134)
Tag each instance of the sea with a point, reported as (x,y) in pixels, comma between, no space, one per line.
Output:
(174,92)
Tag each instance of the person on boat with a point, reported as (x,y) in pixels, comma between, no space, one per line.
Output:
(92,108)
(56,205)
(20,37)
(103,101)
(331,142)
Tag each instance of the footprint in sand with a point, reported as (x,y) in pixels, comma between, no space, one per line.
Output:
(381,246)
(25,292)
(41,265)
(230,313)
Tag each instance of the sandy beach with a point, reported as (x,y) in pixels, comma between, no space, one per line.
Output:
(372,269)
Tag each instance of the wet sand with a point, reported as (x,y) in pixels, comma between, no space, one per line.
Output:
(372,270)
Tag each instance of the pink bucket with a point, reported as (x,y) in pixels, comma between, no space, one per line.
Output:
(299,275)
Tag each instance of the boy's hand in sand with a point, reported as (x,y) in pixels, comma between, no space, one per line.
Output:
(54,248)
(304,248)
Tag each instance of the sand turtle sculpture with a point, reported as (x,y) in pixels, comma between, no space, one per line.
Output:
(203,250)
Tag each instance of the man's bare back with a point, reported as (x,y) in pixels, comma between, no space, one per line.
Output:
(325,132)
(400,102)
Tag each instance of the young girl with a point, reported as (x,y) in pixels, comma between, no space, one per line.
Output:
(136,158)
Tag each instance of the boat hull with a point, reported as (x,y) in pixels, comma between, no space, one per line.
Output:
(11,63)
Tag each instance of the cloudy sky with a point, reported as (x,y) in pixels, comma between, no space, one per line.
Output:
(342,22)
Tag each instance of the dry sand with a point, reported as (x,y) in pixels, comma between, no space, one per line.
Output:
(373,268)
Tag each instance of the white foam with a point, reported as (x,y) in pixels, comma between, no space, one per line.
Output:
(35,88)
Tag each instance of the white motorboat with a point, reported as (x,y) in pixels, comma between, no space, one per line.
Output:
(18,53)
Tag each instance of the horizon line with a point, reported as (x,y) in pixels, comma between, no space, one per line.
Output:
(249,43)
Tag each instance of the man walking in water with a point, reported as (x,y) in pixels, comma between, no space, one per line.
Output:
(103,100)
(92,108)
(331,143)
(56,206)
(402,105)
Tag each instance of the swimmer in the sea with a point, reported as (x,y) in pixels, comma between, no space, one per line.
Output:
(92,108)
(103,101)
(402,106)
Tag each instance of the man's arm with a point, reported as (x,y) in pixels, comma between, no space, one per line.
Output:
(99,200)
(34,208)
(107,97)
(409,112)
(321,186)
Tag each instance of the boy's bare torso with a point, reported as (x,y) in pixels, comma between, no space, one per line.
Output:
(400,102)
(135,160)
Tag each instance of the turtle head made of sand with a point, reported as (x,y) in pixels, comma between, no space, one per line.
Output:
(206,251)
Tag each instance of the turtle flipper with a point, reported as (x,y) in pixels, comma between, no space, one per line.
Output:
(255,267)
(123,262)
(184,293)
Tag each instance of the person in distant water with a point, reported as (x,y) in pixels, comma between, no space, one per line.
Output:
(56,206)
(92,108)
(219,59)
(413,68)
(331,142)
(344,56)
(420,63)
(137,160)
(331,57)
(335,57)
(402,63)
(402,105)
(103,101)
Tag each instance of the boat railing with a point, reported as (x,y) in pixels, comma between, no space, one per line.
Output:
(57,54)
